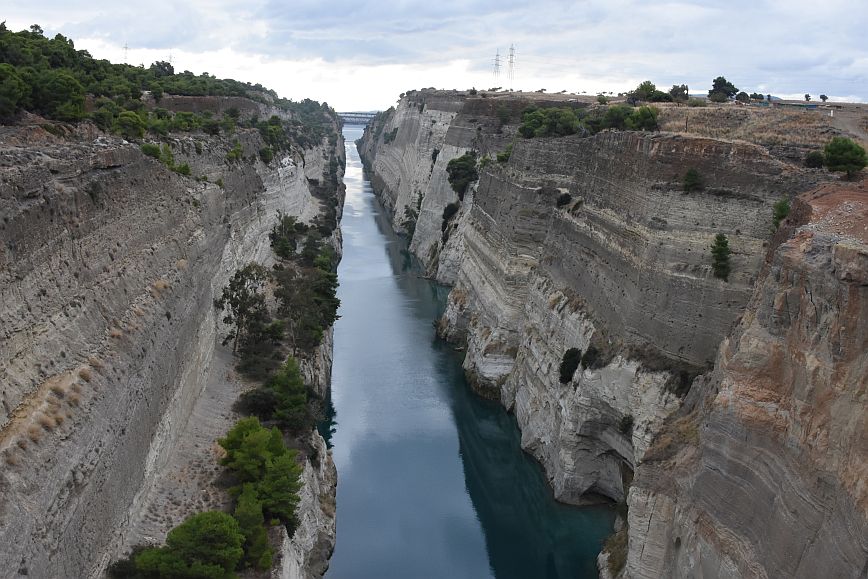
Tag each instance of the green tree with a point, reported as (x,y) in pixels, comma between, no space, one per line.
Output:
(58,95)
(279,488)
(13,90)
(843,154)
(720,257)
(692,181)
(824,98)
(206,545)
(250,448)
(244,302)
(742,97)
(814,160)
(780,212)
(721,90)
(755,96)
(248,513)
(130,125)
(462,172)
(679,93)
(643,119)
(807,97)
(644,91)
(616,117)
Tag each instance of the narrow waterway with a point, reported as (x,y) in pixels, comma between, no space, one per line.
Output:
(432,481)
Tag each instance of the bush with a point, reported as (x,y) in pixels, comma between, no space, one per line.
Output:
(697,102)
(13,90)
(643,119)
(720,257)
(843,154)
(248,513)
(814,160)
(235,153)
(130,125)
(266,154)
(390,136)
(591,358)
(563,199)
(571,360)
(207,544)
(448,213)
(504,155)
(462,172)
(781,210)
(549,122)
(151,150)
(692,181)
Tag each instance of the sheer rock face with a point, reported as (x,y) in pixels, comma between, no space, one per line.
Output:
(580,243)
(591,242)
(774,483)
(109,266)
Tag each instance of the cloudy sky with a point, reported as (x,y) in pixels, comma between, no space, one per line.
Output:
(360,55)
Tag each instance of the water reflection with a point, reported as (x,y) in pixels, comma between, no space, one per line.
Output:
(432,481)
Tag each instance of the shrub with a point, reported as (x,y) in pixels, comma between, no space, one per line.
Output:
(183,169)
(616,117)
(434,153)
(549,122)
(781,210)
(814,160)
(207,544)
(720,257)
(390,136)
(602,99)
(504,155)
(151,150)
(235,153)
(248,513)
(563,199)
(697,102)
(643,119)
(266,154)
(130,125)
(843,154)
(448,213)
(462,172)
(692,181)
(569,363)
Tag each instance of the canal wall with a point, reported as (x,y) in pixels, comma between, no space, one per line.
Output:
(591,243)
(115,385)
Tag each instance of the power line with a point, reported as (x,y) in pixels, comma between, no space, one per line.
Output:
(497,65)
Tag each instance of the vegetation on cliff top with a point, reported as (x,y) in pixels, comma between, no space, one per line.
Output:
(563,121)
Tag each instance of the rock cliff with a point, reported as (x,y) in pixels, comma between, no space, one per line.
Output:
(114,383)
(591,243)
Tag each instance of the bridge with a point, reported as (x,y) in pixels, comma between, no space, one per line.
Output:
(357,118)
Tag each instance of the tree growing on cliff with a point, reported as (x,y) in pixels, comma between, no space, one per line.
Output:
(243,300)
(843,154)
(571,360)
(720,257)
(462,172)
(692,181)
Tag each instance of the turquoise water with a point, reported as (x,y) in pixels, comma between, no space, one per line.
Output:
(432,481)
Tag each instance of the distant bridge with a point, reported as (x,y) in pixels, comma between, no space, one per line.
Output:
(357,118)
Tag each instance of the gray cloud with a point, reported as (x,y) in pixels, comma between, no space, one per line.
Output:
(781,46)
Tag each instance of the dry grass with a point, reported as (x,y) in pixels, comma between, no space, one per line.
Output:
(95,362)
(76,388)
(58,390)
(755,125)
(138,311)
(181,264)
(59,417)
(74,399)
(46,422)
(115,332)
(10,458)
(34,433)
(22,443)
(85,374)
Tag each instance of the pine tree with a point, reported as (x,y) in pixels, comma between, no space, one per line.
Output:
(720,257)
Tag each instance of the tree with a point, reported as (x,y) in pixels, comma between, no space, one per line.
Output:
(644,91)
(692,181)
(780,211)
(755,96)
(244,301)
(769,98)
(824,98)
(162,68)
(721,90)
(248,513)
(643,119)
(814,160)
(250,448)
(462,172)
(742,97)
(58,95)
(679,93)
(206,545)
(807,97)
(13,90)
(130,125)
(843,154)
(720,257)
(279,487)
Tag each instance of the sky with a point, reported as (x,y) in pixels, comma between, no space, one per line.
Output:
(360,56)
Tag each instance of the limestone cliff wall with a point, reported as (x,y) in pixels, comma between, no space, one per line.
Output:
(108,270)
(591,243)
(765,474)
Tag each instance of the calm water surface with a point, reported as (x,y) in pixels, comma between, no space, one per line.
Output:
(432,481)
